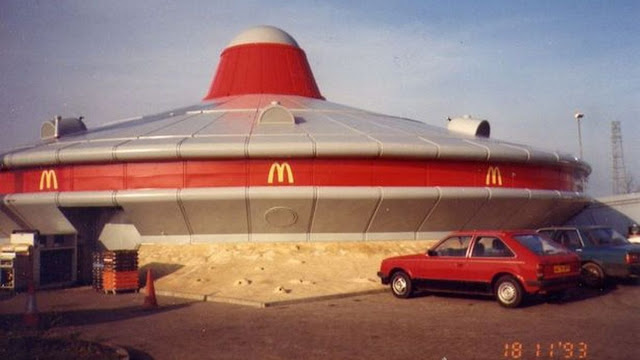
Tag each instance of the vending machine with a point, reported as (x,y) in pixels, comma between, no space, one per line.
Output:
(16,262)
(45,260)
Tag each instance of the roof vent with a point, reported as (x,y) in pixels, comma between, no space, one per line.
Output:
(468,125)
(276,114)
(59,127)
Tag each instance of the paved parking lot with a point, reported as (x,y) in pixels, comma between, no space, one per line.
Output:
(589,324)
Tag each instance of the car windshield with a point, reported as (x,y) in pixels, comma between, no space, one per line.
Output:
(540,245)
(604,237)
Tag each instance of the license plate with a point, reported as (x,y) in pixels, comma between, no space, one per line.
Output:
(560,269)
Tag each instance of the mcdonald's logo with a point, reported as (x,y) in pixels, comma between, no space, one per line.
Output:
(48,178)
(281,170)
(493,176)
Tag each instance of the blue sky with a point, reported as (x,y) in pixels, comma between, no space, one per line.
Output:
(526,66)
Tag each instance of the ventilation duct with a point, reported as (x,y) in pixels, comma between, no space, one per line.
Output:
(59,127)
(467,125)
(276,114)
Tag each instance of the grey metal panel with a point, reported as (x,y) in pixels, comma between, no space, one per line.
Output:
(190,125)
(355,145)
(403,209)
(325,122)
(455,208)
(8,220)
(568,158)
(568,205)
(321,105)
(400,235)
(40,154)
(216,211)
(539,156)
(279,237)
(249,101)
(318,123)
(213,147)
(574,162)
(136,128)
(148,149)
(498,152)
(154,212)
(362,123)
(230,123)
(295,102)
(339,236)
(219,238)
(432,235)
(87,199)
(413,127)
(406,146)
(287,101)
(264,130)
(457,148)
(344,210)
(280,146)
(539,206)
(280,211)
(90,151)
(40,212)
(495,212)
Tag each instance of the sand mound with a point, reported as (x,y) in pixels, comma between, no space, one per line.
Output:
(268,272)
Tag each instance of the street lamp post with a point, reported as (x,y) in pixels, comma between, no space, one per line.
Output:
(579,116)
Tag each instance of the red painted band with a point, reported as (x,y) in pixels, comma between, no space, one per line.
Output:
(292,172)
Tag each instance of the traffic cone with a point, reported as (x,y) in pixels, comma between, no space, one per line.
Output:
(30,317)
(150,301)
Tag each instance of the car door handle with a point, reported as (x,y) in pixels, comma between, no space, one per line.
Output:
(459,264)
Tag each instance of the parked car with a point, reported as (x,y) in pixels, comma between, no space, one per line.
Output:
(604,253)
(506,264)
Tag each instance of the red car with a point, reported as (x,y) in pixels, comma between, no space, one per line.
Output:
(506,264)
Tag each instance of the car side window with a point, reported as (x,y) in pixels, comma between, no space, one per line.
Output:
(453,246)
(569,239)
(548,233)
(489,246)
(588,239)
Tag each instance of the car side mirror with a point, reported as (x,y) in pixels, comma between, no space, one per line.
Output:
(432,253)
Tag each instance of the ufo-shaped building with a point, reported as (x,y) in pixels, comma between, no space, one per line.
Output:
(264,157)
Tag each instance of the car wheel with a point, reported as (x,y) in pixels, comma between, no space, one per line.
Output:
(592,275)
(401,285)
(508,291)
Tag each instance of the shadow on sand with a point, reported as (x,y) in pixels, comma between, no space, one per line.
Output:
(158,270)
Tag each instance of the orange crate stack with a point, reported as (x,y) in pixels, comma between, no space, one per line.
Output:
(120,280)
(120,272)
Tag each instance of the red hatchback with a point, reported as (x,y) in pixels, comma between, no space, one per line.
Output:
(506,264)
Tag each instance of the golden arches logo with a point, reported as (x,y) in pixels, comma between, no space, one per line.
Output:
(48,178)
(493,176)
(281,170)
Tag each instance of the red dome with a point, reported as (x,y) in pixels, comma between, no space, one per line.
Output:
(263,60)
